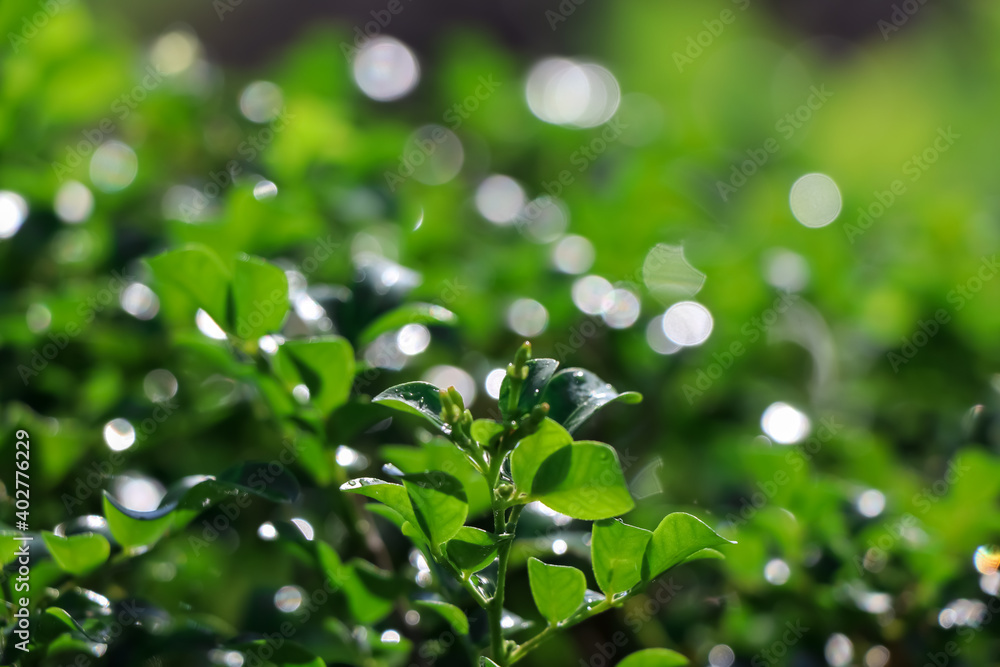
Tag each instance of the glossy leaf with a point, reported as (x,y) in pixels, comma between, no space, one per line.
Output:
(392,495)
(616,552)
(654,657)
(472,549)
(455,617)
(532,451)
(260,297)
(678,537)
(439,503)
(135,529)
(77,554)
(416,398)
(583,480)
(192,496)
(414,313)
(557,589)
(574,394)
(539,372)
(486,662)
(198,273)
(325,365)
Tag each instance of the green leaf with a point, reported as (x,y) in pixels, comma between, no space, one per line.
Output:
(198,273)
(329,560)
(471,549)
(9,546)
(557,589)
(539,372)
(486,662)
(616,552)
(260,296)
(574,394)
(704,554)
(324,365)
(77,554)
(532,451)
(484,430)
(130,530)
(439,503)
(441,454)
(371,592)
(392,495)
(192,496)
(654,657)
(414,313)
(453,615)
(678,537)
(583,480)
(416,398)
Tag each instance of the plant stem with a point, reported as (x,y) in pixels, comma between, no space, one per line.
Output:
(550,631)
(504,528)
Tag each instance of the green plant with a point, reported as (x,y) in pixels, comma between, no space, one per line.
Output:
(529,455)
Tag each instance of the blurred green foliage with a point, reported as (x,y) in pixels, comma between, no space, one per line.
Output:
(921,429)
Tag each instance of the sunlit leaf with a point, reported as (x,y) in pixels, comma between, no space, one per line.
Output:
(324,365)
(654,657)
(533,450)
(200,274)
(131,529)
(260,296)
(484,430)
(583,480)
(678,537)
(439,503)
(392,495)
(616,554)
(77,554)
(557,589)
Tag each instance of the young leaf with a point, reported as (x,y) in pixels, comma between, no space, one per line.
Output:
(325,365)
(678,537)
(539,372)
(199,274)
(77,554)
(414,313)
(574,394)
(486,662)
(483,430)
(654,657)
(616,551)
(583,480)
(453,615)
(260,296)
(135,529)
(557,589)
(471,549)
(532,451)
(416,398)
(439,503)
